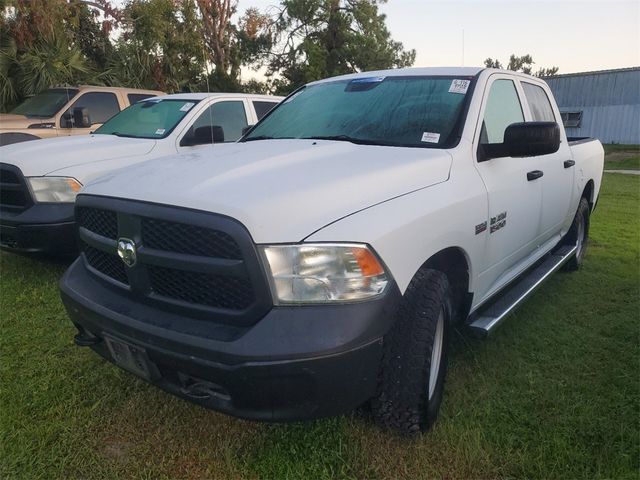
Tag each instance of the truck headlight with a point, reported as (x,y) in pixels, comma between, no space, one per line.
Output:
(323,273)
(54,189)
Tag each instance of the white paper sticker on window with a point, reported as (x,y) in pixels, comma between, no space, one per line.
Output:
(160,131)
(459,86)
(186,107)
(430,137)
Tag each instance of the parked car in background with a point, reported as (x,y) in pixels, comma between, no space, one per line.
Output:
(324,260)
(62,111)
(41,179)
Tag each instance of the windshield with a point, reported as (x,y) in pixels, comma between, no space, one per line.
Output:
(397,111)
(147,119)
(45,104)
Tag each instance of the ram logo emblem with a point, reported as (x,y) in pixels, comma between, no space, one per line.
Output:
(127,251)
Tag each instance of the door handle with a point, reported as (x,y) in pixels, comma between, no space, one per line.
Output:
(569,163)
(532,175)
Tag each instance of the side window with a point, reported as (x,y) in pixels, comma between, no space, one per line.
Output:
(262,108)
(101,105)
(503,108)
(539,103)
(229,115)
(136,97)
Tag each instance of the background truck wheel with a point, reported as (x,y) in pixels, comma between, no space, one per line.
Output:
(578,235)
(414,363)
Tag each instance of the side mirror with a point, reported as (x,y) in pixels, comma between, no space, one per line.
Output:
(531,139)
(81,118)
(204,136)
(246,130)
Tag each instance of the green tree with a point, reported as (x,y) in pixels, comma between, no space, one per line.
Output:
(321,38)
(522,64)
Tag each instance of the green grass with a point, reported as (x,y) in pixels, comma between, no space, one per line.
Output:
(554,394)
(622,157)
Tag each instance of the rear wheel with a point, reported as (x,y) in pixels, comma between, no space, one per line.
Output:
(414,363)
(578,235)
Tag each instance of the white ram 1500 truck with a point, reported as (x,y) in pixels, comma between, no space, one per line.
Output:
(40,180)
(324,259)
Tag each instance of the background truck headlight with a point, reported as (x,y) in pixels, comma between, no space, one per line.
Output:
(323,273)
(54,189)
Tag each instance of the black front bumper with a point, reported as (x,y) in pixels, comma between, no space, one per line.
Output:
(295,363)
(41,228)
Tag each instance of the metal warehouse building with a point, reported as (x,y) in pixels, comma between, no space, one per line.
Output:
(603,104)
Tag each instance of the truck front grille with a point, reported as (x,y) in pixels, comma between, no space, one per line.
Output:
(14,193)
(199,263)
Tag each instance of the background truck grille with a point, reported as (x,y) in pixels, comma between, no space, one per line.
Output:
(209,264)
(14,193)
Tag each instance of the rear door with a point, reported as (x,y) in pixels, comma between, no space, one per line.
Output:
(514,199)
(558,167)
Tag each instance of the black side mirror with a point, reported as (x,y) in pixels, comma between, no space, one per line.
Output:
(81,118)
(246,130)
(204,136)
(531,139)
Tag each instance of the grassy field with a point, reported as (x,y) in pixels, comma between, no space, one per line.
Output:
(622,157)
(554,394)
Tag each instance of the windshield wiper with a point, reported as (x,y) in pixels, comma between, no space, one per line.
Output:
(259,137)
(118,134)
(347,138)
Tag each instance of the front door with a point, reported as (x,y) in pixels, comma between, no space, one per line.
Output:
(101,107)
(514,197)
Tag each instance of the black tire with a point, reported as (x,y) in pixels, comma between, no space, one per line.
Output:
(578,235)
(403,402)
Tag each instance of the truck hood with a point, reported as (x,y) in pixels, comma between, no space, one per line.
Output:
(50,155)
(9,121)
(281,190)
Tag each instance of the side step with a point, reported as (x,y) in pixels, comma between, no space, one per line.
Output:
(488,318)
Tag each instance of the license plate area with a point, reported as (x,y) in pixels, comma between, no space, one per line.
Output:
(131,357)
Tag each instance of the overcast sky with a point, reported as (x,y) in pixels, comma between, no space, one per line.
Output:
(573,35)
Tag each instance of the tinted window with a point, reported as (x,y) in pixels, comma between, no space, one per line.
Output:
(503,108)
(406,111)
(101,105)
(45,104)
(262,108)
(148,119)
(539,104)
(229,115)
(136,97)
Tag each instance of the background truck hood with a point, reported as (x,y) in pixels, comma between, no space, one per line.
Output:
(47,156)
(281,190)
(9,121)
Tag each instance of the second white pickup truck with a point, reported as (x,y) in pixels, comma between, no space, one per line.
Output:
(324,260)
(40,180)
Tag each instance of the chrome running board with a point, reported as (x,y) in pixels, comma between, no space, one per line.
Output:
(486,319)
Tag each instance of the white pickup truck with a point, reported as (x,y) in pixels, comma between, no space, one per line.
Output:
(323,260)
(39,180)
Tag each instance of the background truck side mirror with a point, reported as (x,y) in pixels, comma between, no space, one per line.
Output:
(81,118)
(246,129)
(530,139)
(204,136)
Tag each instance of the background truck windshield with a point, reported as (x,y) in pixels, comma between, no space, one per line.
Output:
(398,111)
(45,104)
(148,119)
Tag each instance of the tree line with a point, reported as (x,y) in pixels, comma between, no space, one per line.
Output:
(192,45)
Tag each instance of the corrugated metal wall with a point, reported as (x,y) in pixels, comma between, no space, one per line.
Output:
(609,102)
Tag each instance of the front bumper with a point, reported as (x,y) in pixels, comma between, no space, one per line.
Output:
(295,363)
(41,228)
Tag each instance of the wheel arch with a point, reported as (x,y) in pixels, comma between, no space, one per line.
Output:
(588,193)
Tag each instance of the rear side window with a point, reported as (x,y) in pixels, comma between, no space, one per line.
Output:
(262,108)
(503,108)
(136,97)
(229,115)
(101,105)
(539,103)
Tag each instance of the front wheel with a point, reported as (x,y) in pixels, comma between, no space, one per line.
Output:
(414,364)
(578,235)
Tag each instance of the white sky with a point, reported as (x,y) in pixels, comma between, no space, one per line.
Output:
(573,35)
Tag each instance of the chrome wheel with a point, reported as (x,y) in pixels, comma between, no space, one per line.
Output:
(436,354)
